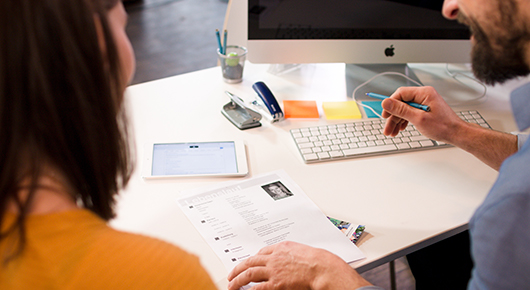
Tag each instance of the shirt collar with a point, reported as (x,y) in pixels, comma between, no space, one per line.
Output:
(520,99)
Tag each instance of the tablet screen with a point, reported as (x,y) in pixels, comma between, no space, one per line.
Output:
(194,158)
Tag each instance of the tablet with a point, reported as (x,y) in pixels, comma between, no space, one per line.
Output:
(186,159)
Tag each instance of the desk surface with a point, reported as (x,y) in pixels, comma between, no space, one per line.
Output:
(407,201)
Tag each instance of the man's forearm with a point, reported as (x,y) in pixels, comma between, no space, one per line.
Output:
(490,146)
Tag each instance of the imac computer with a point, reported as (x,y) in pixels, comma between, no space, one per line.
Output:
(370,36)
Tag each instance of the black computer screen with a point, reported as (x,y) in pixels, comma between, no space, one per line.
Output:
(351,19)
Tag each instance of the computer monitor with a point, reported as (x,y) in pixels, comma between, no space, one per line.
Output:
(373,35)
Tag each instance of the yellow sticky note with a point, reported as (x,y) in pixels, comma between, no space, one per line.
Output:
(300,109)
(341,110)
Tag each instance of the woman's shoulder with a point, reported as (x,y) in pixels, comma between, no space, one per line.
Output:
(117,259)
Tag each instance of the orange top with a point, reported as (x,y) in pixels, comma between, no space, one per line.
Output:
(78,250)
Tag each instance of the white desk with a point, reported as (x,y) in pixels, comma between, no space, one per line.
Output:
(407,201)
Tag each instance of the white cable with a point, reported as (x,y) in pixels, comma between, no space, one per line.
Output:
(454,75)
(374,77)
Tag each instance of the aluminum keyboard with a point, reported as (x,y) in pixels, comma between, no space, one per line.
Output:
(365,138)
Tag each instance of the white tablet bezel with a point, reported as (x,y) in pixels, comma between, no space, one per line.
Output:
(240,152)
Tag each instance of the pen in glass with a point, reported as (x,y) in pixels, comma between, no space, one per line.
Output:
(412,104)
(219,41)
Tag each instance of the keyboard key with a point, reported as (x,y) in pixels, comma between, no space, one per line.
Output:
(323,155)
(306,145)
(306,150)
(366,150)
(302,140)
(426,143)
(310,157)
(403,146)
(418,138)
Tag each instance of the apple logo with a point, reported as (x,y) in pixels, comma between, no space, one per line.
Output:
(389,51)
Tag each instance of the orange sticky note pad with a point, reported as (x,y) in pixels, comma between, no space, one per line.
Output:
(300,109)
(341,110)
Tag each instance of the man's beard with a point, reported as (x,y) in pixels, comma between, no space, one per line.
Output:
(498,59)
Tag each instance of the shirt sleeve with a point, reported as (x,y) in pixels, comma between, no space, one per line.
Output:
(521,138)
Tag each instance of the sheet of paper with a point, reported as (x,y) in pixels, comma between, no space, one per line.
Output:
(300,109)
(239,218)
(341,110)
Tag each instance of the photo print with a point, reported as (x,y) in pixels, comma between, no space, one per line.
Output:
(277,190)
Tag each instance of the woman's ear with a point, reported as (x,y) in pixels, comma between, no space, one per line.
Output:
(101,36)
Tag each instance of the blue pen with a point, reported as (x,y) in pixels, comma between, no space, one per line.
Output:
(219,41)
(224,42)
(415,105)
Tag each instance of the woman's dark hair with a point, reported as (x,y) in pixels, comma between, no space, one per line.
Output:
(60,105)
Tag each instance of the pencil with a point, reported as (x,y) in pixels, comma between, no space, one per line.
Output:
(412,104)
(219,41)
(224,42)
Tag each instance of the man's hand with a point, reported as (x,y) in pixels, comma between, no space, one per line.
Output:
(289,265)
(440,124)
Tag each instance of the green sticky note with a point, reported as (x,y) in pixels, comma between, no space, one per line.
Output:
(341,110)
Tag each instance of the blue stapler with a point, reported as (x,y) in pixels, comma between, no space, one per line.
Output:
(266,99)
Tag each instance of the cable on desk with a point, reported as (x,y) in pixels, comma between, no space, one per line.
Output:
(374,77)
(454,75)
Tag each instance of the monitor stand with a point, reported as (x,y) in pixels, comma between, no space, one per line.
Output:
(358,74)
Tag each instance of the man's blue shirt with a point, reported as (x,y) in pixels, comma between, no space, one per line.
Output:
(499,229)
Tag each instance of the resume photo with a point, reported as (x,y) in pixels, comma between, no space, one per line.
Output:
(277,190)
